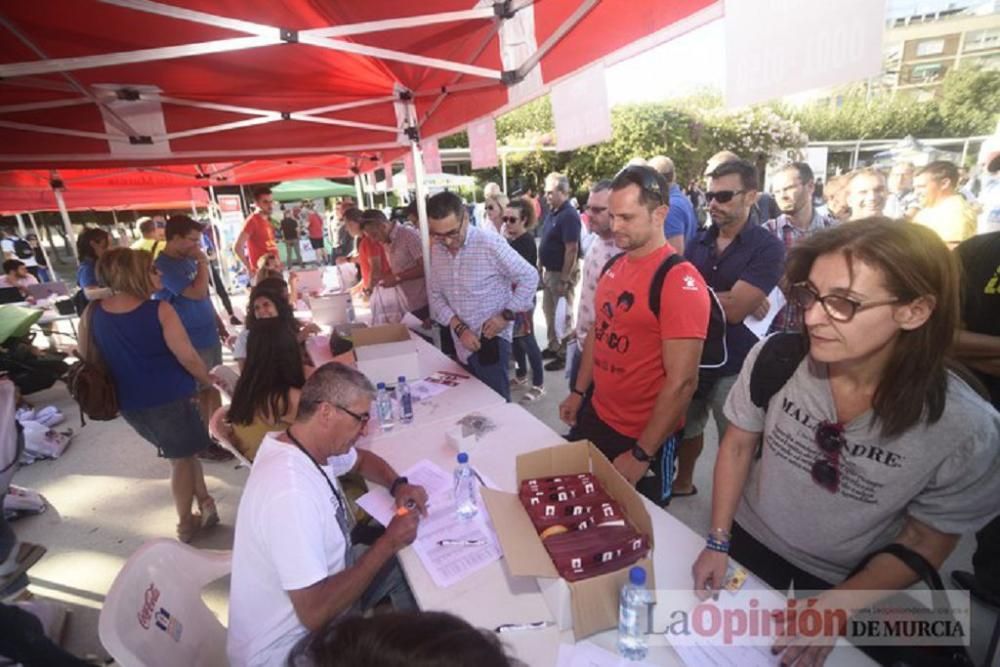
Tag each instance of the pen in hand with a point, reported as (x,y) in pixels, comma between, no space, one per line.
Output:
(461,543)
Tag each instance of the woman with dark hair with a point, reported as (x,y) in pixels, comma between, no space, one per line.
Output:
(266,397)
(153,366)
(401,639)
(90,245)
(518,220)
(867,441)
(267,300)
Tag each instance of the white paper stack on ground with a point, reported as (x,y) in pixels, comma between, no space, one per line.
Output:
(448,564)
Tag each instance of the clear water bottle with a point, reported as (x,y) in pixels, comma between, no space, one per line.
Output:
(383,404)
(465,489)
(632,609)
(351,317)
(405,401)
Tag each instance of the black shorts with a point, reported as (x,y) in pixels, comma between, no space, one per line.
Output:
(317,244)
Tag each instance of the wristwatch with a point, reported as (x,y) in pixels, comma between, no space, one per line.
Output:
(640,454)
(396,483)
(507,314)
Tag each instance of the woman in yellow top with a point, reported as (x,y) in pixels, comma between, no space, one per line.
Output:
(266,397)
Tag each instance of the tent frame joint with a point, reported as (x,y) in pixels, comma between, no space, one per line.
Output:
(286,115)
(289,36)
(504,9)
(405,95)
(511,77)
(412,133)
(57,184)
(141,140)
(128,94)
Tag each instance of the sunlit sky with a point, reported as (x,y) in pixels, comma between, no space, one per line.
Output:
(697,60)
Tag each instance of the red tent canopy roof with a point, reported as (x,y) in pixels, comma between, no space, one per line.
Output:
(143,83)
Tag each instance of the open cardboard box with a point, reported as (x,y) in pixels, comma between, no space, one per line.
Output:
(385,352)
(586,606)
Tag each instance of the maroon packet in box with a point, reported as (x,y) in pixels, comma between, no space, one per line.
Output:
(558,489)
(576,514)
(588,553)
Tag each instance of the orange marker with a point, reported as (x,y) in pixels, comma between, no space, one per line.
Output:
(402,511)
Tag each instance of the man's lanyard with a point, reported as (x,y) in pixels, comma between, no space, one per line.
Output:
(329,482)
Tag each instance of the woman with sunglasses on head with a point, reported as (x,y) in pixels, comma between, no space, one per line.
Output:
(495,206)
(518,220)
(867,441)
(266,397)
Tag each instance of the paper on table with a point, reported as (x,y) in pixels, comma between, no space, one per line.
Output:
(587,654)
(422,390)
(413,322)
(759,327)
(446,564)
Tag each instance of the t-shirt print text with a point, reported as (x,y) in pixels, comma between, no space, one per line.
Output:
(793,440)
(604,329)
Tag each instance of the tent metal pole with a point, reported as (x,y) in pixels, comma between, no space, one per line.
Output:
(66,222)
(503,170)
(370,186)
(359,193)
(20,225)
(216,221)
(421,196)
(41,244)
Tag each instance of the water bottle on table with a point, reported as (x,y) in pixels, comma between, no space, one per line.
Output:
(383,404)
(405,401)
(465,489)
(632,608)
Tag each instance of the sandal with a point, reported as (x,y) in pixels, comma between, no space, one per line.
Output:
(209,513)
(188,528)
(533,394)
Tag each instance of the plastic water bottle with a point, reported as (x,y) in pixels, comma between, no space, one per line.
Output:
(383,405)
(405,401)
(465,489)
(632,608)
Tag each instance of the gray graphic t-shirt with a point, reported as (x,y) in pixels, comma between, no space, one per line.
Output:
(946,475)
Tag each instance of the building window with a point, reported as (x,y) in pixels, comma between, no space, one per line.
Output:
(926,73)
(930,47)
(977,40)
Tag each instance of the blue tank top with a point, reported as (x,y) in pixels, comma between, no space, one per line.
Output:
(145,371)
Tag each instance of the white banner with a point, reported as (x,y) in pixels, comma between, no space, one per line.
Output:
(781,47)
(580,110)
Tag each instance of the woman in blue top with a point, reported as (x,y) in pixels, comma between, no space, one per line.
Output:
(90,245)
(154,368)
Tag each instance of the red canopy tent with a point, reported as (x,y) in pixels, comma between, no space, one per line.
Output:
(116,83)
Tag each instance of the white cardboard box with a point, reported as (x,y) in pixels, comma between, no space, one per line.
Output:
(386,352)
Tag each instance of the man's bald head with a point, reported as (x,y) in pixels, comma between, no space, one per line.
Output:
(721,157)
(664,165)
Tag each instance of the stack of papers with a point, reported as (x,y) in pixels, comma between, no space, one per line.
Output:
(447,564)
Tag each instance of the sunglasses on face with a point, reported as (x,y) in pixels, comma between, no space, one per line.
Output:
(839,308)
(826,470)
(645,178)
(489,207)
(722,196)
(510,219)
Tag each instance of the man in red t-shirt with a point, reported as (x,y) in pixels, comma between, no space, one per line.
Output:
(317,239)
(643,368)
(257,237)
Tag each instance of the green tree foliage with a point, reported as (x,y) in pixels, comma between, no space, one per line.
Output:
(864,116)
(969,103)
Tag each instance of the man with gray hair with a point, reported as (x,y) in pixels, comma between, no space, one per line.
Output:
(681,224)
(558,255)
(294,565)
(406,259)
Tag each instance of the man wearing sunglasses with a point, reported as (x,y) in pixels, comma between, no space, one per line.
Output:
(742,262)
(477,283)
(294,565)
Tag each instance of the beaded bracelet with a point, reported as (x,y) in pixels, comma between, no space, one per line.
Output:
(714,544)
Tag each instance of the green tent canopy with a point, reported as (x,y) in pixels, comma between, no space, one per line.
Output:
(312,188)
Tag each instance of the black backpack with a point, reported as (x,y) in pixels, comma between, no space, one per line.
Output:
(23,249)
(715,354)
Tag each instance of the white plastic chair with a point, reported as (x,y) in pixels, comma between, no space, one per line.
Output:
(154,616)
(220,429)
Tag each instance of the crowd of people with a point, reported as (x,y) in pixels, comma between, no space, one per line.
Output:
(871,408)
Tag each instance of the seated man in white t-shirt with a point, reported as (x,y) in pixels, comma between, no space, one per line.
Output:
(294,567)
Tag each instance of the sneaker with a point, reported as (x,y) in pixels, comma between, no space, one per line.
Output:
(215,452)
(533,395)
(555,365)
(518,381)
(549,354)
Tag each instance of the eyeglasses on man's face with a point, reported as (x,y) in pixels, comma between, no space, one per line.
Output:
(362,418)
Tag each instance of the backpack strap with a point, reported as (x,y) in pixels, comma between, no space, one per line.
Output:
(611,262)
(779,357)
(656,286)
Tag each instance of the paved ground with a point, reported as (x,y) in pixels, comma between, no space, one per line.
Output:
(109,493)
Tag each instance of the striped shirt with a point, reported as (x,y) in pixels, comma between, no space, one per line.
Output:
(485,277)
(404,252)
(791,317)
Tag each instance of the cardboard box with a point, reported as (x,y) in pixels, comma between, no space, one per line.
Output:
(386,352)
(591,605)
